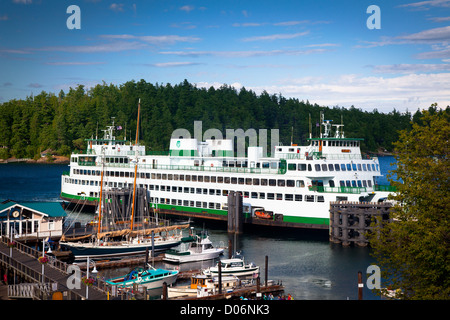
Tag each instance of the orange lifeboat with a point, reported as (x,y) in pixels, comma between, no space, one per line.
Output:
(264,214)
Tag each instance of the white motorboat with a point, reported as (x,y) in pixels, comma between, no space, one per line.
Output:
(199,250)
(235,267)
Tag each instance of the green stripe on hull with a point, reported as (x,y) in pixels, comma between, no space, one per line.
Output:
(290,219)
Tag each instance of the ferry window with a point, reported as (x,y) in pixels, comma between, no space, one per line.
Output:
(219,179)
(211,205)
(264,182)
(174,202)
(164,176)
(265,165)
(147,175)
(330,167)
(359,183)
(191,203)
(213,179)
(354,166)
(309,198)
(354,183)
(212,192)
(279,196)
(349,167)
(227,180)
(170,177)
(324,167)
(188,177)
(163,188)
(151,187)
(194,178)
(231,164)
(256,182)
(196,163)
(241,180)
(364,167)
(342,183)
(364,183)
(198,204)
(217,205)
(347,183)
(254,195)
(378,168)
(369,183)
(205,191)
(273,165)
(181,177)
(233,180)
(301,167)
(292,166)
(238,164)
(224,164)
(368,167)
(246,194)
(206,178)
(342,167)
(317,167)
(288,197)
(262,195)
(309,167)
(331,182)
(272,182)
(320,199)
(248,181)
(225,193)
(186,203)
(176,177)
(270,196)
(291,149)
(281,183)
(359,167)
(298,197)
(218,192)
(200,178)
(300,184)
(290,183)
(153,175)
(122,173)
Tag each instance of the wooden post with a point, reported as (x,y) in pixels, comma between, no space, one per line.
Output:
(230,248)
(164,293)
(360,286)
(219,265)
(258,287)
(266,271)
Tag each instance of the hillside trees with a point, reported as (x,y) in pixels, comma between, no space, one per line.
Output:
(62,122)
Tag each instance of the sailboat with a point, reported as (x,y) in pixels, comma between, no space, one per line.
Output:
(121,233)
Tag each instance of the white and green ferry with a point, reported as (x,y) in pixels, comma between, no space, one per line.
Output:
(292,187)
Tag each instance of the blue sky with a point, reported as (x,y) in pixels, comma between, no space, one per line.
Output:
(321,51)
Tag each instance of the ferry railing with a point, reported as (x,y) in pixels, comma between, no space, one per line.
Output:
(317,156)
(354,190)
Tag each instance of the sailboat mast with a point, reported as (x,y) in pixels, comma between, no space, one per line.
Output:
(99,227)
(135,167)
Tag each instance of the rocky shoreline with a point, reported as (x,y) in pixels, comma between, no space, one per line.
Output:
(43,160)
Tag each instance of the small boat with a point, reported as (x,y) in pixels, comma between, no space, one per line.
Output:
(202,284)
(264,214)
(200,250)
(235,267)
(150,278)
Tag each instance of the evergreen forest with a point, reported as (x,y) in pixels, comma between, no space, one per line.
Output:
(62,122)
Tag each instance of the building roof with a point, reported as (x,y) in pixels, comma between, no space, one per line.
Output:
(50,209)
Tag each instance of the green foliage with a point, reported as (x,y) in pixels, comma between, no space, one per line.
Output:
(413,249)
(60,121)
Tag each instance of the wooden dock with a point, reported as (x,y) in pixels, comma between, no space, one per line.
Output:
(21,263)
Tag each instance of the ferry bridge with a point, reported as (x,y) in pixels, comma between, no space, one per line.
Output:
(21,262)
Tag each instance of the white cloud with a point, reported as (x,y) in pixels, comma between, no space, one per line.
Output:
(4,17)
(117,7)
(187,8)
(276,37)
(23,1)
(174,64)
(403,92)
(410,68)
(243,54)
(423,5)
(73,63)
(156,40)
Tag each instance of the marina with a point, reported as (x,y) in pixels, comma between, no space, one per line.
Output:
(309,266)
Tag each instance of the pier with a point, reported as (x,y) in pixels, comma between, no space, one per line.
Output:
(28,278)
(350,221)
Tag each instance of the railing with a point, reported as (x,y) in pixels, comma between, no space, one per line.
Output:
(319,155)
(354,190)
(387,188)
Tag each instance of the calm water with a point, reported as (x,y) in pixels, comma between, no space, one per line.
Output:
(307,264)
